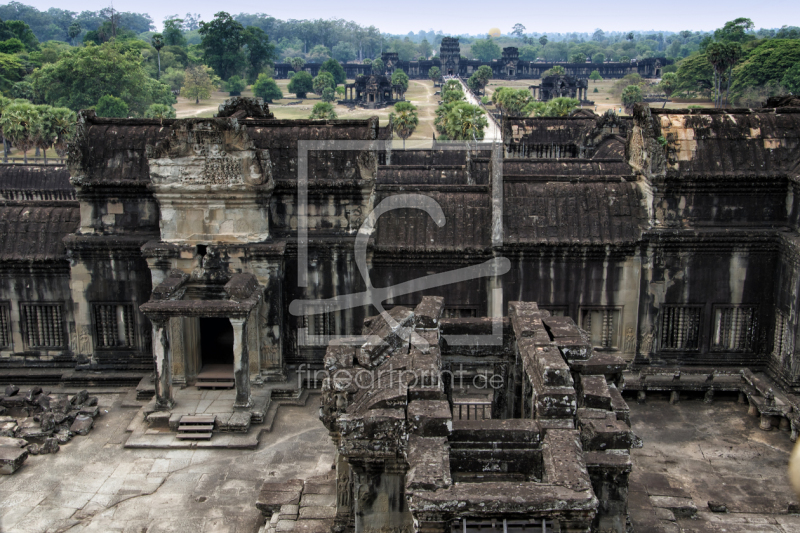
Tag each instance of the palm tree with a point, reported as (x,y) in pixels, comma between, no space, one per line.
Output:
(73,31)
(158,43)
(297,63)
(3,103)
(717,56)
(18,120)
(63,120)
(405,121)
(43,131)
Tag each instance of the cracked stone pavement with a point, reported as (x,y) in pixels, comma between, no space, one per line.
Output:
(94,484)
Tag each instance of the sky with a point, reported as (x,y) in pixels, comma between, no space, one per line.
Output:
(478,17)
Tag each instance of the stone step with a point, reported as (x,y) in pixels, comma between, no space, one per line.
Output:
(194,436)
(196,427)
(198,419)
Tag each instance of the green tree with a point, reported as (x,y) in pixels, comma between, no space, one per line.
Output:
(235,85)
(44,129)
(435,74)
(64,122)
(557,107)
(452,92)
(736,31)
(598,58)
(518,30)
(197,83)
(112,107)
(404,120)
(791,79)
(483,75)
(73,31)
(11,46)
(157,41)
(323,111)
(425,49)
(222,40)
(624,59)
(266,88)
(765,65)
(336,70)
(260,52)
(595,76)
(18,122)
(297,63)
(543,40)
(485,49)
(160,111)
(343,52)
(79,79)
(173,32)
(555,70)
(24,90)
(630,96)
(323,81)
(378,67)
(669,82)
(577,57)
(301,84)
(328,95)
(174,78)
(695,75)
(465,122)
(512,102)
(400,78)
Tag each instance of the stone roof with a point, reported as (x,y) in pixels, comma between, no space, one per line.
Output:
(34,234)
(467,228)
(572,213)
(35,183)
(731,142)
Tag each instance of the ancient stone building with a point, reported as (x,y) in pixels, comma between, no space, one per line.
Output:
(372,92)
(508,67)
(561,86)
(528,431)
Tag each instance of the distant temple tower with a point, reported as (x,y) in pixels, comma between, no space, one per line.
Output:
(510,60)
(450,55)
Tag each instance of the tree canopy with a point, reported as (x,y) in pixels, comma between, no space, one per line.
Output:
(323,111)
(485,50)
(335,69)
(79,79)
(222,42)
(301,84)
(266,88)
(404,120)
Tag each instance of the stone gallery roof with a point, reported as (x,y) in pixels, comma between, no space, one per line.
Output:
(467,228)
(35,234)
(545,169)
(35,183)
(730,143)
(572,213)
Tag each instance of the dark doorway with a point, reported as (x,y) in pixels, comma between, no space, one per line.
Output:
(216,341)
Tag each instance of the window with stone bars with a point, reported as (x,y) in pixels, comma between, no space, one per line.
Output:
(317,329)
(680,327)
(782,340)
(43,325)
(114,326)
(5,326)
(735,328)
(602,324)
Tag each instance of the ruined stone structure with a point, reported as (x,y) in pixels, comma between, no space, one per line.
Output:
(372,92)
(528,429)
(561,86)
(669,237)
(508,67)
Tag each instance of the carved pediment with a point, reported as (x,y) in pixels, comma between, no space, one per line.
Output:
(209,153)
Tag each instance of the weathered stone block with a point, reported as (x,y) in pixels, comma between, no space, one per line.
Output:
(429,463)
(595,392)
(80,398)
(11,441)
(11,390)
(11,458)
(275,495)
(428,312)
(430,418)
(339,356)
(608,434)
(83,424)
(681,507)
(556,402)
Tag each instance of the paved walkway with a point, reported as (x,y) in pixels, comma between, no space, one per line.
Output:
(95,484)
(701,452)
(492,132)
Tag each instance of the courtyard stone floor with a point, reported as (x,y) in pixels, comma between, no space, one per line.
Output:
(692,452)
(708,452)
(95,484)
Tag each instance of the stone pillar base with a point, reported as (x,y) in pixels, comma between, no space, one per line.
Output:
(766,423)
(674,397)
(752,410)
(166,404)
(641,396)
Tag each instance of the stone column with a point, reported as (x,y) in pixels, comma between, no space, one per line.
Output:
(163,363)
(241,364)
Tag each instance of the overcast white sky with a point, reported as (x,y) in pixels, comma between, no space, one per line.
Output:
(475,17)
